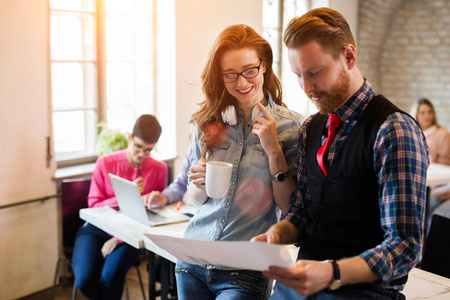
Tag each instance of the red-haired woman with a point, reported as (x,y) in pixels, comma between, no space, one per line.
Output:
(242,121)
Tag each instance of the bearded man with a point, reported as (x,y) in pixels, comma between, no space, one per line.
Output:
(357,210)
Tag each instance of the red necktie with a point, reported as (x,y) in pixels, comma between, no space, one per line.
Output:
(333,122)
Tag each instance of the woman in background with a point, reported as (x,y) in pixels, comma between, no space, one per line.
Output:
(438,140)
(242,121)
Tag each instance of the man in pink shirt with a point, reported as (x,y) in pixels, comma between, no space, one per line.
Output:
(100,261)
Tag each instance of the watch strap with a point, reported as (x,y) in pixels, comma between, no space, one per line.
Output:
(335,282)
(336,271)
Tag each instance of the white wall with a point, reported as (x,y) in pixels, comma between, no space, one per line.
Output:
(198,22)
(349,9)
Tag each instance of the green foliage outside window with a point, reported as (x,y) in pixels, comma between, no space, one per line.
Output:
(110,140)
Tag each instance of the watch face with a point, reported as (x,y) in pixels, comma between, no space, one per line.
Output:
(335,284)
(282,177)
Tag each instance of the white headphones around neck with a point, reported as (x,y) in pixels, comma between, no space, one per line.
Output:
(229,114)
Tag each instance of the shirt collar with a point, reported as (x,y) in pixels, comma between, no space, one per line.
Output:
(353,108)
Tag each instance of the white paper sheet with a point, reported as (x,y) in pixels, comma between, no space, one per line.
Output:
(240,254)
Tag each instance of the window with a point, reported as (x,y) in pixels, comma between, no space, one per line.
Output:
(105,58)
(276,16)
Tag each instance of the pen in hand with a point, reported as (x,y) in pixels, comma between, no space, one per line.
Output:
(139,169)
(179,205)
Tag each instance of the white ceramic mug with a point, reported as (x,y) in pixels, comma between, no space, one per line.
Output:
(217,178)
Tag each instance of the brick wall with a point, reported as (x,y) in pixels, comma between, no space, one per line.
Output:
(404,51)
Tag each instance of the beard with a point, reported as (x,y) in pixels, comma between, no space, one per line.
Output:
(336,97)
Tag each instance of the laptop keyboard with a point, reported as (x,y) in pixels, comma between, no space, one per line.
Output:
(155,217)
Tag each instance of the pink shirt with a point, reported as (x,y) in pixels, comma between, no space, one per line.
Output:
(101,192)
(438,141)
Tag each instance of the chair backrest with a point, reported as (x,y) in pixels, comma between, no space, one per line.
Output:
(436,258)
(74,194)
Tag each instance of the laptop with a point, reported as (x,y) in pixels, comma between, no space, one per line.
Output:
(130,204)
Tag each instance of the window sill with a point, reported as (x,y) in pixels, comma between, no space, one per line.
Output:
(75,171)
(87,169)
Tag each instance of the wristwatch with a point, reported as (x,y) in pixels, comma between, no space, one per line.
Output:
(280,176)
(335,282)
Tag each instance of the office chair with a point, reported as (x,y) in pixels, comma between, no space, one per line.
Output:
(74,194)
(435,256)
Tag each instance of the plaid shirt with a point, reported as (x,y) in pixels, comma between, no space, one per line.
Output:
(400,161)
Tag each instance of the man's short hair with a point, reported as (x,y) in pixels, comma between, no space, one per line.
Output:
(323,25)
(147,128)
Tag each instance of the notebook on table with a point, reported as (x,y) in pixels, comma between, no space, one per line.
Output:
(130,204)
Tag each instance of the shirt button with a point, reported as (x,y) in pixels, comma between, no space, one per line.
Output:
(236,162)
(214,240)
(248,125)
(234,182)
(228,203)
(325,185)
(223,220)
(240,143)
(240,125)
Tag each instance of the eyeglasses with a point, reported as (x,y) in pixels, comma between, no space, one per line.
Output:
(138,148)
(247,74)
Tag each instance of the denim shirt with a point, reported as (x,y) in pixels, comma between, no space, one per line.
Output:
(176,190)
(249,208)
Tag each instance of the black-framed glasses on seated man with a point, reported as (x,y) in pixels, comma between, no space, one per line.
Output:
(138,147)
(247,74)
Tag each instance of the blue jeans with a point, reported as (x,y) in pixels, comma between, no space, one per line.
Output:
(281,292)
(195,282)
(97,277)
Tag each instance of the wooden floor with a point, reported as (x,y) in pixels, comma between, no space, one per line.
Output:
(64,291)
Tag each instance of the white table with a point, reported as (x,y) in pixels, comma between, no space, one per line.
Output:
(129,230)
(425,285)
(420,285)
(132,233)
(438,174)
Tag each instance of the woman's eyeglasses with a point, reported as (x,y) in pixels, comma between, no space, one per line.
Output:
(247,74)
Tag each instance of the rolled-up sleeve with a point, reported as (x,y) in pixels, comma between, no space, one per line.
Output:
(401,162)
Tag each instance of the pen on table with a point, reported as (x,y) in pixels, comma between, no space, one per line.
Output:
(139,169)
(179,205)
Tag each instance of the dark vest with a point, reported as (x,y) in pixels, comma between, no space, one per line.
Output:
(344,216)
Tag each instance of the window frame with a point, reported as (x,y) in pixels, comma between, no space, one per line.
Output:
(100,107)
(293,95)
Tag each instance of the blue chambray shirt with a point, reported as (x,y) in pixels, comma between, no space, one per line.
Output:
(249,208)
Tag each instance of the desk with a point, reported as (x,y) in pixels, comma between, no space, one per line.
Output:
(425,285)
(438,174)
(420,285)
(132,233)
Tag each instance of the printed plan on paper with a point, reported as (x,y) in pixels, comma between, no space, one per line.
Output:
(240,254)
